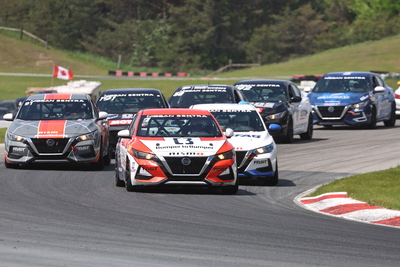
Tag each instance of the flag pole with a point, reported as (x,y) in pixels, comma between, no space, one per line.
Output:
(52,79)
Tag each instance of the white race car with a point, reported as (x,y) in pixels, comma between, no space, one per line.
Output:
(397,99)
(255,148)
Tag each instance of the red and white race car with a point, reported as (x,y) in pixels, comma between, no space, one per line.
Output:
(175,147)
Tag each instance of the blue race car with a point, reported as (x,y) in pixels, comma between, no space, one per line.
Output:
(353,98)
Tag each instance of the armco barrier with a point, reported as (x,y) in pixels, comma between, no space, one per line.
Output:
(146,74)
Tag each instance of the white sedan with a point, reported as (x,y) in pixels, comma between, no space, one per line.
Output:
(397,98)
(255,148)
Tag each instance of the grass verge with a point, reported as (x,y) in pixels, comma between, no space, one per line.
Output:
(2,133)
(380,188)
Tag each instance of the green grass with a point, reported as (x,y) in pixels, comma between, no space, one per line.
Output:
(380,188)
(2,133)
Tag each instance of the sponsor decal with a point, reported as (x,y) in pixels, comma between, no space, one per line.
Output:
(260,161)
(334,96)
(119,122)
(18,149)
(264,104)
(249,86)
(150,168)
(248,135)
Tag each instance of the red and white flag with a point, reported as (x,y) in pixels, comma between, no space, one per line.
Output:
(62,73)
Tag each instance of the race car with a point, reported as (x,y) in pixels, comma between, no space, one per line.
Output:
(57,128)
(354,99)
(255,148)
(164,147)
(397,97)
(122,104)
(188,95)
(281,102)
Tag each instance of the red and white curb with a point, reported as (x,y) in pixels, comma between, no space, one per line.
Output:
(339,204)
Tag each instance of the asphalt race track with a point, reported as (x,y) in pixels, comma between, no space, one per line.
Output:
(70,216)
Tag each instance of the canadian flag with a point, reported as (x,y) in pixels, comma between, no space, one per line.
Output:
(62,73)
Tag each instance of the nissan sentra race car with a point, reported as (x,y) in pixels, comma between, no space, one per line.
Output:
(57,128)
(256,152)
(122,104)
(281,102)
(353,98)
(175,147)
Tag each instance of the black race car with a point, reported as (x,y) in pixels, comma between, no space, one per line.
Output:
(280,102)
(122,104)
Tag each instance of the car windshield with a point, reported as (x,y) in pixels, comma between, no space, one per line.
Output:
(340,84)
(186,99)
(263,92)
(128,103)
(178,126)
(55,109)
(239,121)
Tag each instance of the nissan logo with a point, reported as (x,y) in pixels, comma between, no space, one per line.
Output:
(50,142)
(186,161)
(331,109)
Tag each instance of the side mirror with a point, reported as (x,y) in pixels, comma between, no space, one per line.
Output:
(103,115)
(8,117)
(229,132)
(379,89)
(274,128)
(124,134)
(296,99)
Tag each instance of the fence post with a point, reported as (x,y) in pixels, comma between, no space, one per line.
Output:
(21,32)
(230,65)
(119,62)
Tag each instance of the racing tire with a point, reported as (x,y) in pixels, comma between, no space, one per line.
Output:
(310,129)
(275,179)
(128,183)
(230,189)
(10,165)
(288,138)
(99,165)
(392,120)
(372,123)
(118,182)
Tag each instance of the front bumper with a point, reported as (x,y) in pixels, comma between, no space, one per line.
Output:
(341,115)
(64,150)
(263,165)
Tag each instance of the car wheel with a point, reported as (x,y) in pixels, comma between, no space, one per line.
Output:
(288,138)
(10,165)
(310,129)
(99,165)
(230,189)
(392,120)
(107,158)
(274,180)
(118,182)
(372,123)
(128,183)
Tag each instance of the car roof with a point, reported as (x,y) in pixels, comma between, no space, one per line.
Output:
(58,96)
(175,111)
(227,106)
(204,87)
(349,73)
(262,81)
(131,90)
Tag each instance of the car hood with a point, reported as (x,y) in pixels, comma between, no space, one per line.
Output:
(336,99)
(183,146)
(270,107)
(250,140)
(120,119)
(52,128)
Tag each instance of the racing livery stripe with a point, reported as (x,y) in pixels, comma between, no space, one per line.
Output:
(51,129)
(57,96)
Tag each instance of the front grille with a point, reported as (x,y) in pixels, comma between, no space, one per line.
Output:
(58,146)
(239,156)
(195,166)
(336,113)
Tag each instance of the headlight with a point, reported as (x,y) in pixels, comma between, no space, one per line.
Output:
(89,136)
(226,155)
(143,155)
(265,149)
(14,137)
(276,116)
(360,105)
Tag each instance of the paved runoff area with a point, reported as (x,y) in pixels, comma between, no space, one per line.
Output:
(339,204)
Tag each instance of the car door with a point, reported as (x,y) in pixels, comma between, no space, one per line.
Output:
(299,110)
(382,99)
